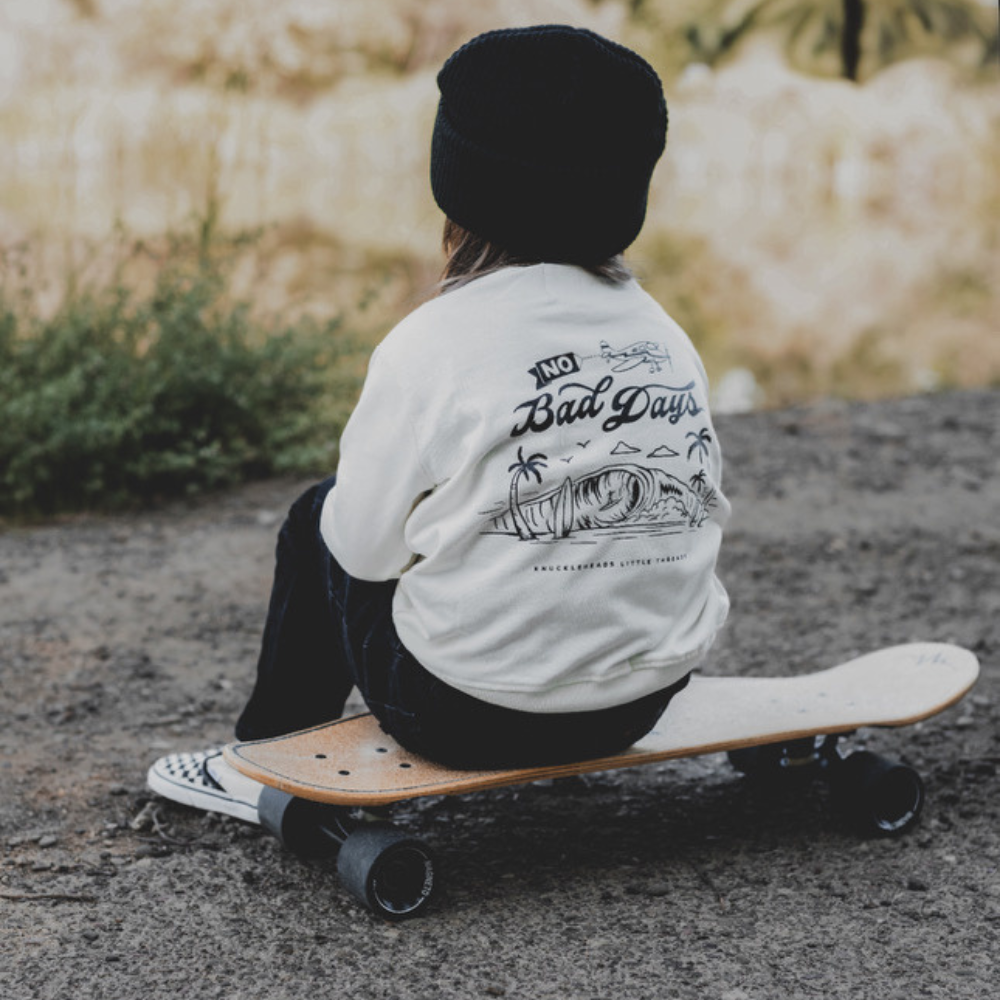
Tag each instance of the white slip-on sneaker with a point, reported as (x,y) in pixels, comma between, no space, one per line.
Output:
(205,781)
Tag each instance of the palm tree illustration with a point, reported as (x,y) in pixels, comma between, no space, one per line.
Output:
(523,468)
(702,439)
(698,479)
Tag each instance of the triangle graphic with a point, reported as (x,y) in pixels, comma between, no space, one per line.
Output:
(625,449)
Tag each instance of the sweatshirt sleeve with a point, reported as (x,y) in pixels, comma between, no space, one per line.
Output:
(380,478)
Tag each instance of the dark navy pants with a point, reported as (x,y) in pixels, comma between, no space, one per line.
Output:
(327,632)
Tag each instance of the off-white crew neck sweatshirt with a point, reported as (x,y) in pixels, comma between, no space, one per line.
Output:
(533,457)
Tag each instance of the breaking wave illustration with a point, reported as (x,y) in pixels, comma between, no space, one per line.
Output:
(619,496)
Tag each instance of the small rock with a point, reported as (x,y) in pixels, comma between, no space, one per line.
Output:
(886,431)
(657,889)
(145,819)
(915,884)
(48,841)
(152,851)
(654,889)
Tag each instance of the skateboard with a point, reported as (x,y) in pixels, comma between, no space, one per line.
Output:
(323,782)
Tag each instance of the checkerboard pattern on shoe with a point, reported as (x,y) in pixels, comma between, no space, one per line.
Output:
(204,780)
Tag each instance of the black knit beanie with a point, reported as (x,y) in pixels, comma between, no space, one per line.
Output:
(545,142)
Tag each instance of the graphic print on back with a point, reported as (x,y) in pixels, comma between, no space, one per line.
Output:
(642,450)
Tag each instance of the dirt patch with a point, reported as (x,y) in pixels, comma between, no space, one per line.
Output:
(855,526)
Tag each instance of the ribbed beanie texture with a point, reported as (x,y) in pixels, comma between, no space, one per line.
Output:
(545,142)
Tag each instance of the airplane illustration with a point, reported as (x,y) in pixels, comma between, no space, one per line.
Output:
(642,352)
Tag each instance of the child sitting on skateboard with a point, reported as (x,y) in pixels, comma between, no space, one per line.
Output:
(515,563)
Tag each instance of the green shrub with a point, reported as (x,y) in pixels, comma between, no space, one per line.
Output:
(121,399)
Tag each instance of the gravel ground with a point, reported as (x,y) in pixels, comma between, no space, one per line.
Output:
(855,526)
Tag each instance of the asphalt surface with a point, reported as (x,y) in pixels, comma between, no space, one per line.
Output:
(855,526)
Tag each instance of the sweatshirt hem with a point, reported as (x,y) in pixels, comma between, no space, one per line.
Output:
(583,695)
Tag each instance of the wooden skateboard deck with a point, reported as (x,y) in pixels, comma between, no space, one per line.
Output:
(351,762)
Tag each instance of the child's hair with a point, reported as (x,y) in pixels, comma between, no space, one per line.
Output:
(469,256)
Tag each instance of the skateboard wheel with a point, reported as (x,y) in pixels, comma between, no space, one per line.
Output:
(880,796)
(391,873)
(309,829)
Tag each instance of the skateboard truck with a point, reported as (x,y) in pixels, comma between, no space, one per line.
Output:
(388,871)
(880,797)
